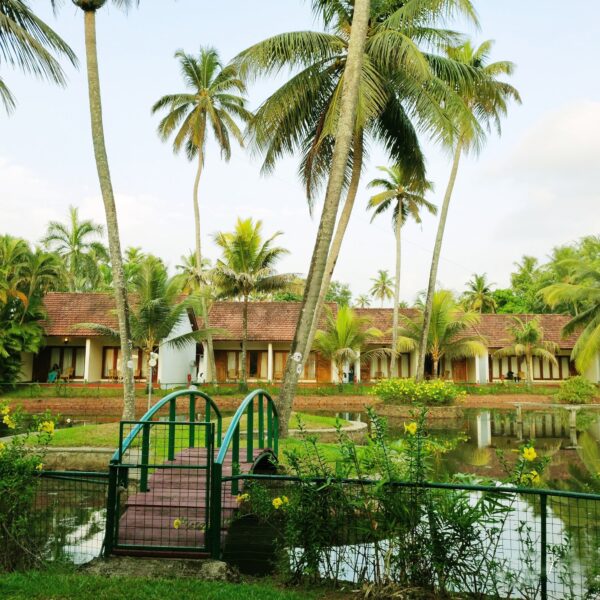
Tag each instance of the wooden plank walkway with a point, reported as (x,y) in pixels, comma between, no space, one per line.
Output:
(175,493)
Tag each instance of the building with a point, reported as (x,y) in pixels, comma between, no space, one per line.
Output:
(82,354)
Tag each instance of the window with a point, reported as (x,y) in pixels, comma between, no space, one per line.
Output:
(68,357)
(111,363)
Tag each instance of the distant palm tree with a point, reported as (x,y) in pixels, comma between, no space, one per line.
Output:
(404,193)
(77,243)
(344,338)
(584,289)
(29,44)
(188,272)
(363,301)
(247,267)
(528,337)
(449,335)
(479,296)
(383,286)
(487,102)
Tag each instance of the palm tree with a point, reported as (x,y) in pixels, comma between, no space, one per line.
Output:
(528,337)
(28,43)
(363,301)
(188,272)
(303,114)
(89,8)
(449,334)
(156,311)
(344,338)
(584,290)
(487,102)
(479,296)
(383,286)
(76,242)
(404,193)
(214,101)
(247,267)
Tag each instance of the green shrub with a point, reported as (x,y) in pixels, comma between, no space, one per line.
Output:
(409,391)
(576,390)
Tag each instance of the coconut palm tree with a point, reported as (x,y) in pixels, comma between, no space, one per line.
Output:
(89,9)
(214,101)
(363,301)
(302,115)
(344,338)
(449,335)
(247,267)
(404,193)
(383,286)
(487,102)
(528,341)
(26,42)
(479,296)
(77,243)
(584,290)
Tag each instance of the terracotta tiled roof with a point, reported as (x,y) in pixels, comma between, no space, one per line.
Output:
(267,321)
(66,310)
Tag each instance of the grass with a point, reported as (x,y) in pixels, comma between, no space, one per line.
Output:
(496,389)
(106,435)
(59,586)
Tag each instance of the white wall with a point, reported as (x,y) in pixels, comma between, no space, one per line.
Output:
(175,364)
(26,373)
(593,371)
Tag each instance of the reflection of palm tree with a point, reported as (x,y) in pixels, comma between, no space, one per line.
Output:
(383,286)
(479,296)
(487,102)
(404,194)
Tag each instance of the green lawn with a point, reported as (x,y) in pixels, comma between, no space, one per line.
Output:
(51,586)
(106,435)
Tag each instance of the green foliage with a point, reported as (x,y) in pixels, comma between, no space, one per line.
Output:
(577,390)
(383,286)
(509,302)
(340,293)
(20,467)
(479,296)
(409,391)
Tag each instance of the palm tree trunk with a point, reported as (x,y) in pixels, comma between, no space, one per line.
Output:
(435,261)
(529,369)
(435,368)
(338,238)
(343,141)
(395,317)
(244,383)
(112,226)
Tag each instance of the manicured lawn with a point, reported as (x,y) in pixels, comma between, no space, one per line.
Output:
(106,435)
(50,586)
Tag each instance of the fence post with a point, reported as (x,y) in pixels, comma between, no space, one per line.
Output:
(172,417)
(250,432)
(192,440)
(215,511)
(235,458)
(207,418)
(269,425)
(261,422)
(145,457)
(543,553)
(111,505)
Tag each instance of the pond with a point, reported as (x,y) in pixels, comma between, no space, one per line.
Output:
(571,438)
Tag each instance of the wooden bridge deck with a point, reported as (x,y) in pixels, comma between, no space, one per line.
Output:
(175,493)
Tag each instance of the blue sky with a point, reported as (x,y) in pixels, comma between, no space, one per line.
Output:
(533,188)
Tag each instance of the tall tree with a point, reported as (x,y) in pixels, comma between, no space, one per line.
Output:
(89,9)
(404,193)
(479,296)
(345,338)
(528,341)
(26,42)
(363,301)
(584,290)
(247,267)
(398,91)
(450,334)
(78,243)
(215,99)
(383,286)
(487,102)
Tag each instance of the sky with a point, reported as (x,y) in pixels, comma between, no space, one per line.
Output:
(535,187)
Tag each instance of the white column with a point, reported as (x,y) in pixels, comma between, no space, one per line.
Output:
(207,374)
(86,362)
(357,368)
(334,373)
(270,362)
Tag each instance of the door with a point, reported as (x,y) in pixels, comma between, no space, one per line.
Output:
(459,370)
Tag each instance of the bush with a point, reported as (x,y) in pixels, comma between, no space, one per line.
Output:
(409,391)
(577,390)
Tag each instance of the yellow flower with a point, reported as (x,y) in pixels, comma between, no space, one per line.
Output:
(176,523)
(535,477)
(5,410)
(39,467)
(46,427)
(9,422)
(529,453)
(242,498)
(285,499)
(277,503)
(411,428)
(2,446)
